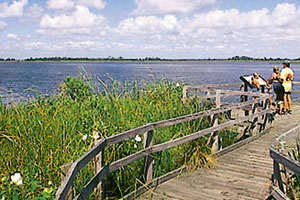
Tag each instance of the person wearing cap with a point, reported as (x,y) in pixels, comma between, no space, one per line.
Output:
(287,76)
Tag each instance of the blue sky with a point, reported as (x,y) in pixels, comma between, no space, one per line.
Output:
(149,28)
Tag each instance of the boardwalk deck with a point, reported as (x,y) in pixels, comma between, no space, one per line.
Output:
(240,174)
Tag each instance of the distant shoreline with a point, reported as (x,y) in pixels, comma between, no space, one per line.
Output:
(141,61)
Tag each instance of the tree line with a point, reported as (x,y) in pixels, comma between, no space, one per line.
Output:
(110,58)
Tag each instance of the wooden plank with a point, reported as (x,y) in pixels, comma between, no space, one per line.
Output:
(277,175)
(238,144)
(154,183)
(88,188)
(129,134)
(76,167)
(98,164)
(278,195)
(170,122)
(286,161)
(255,170)
(160,147)
(149,160)
(65,169)
(213,85)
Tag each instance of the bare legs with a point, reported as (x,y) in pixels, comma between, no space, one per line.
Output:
(287,102)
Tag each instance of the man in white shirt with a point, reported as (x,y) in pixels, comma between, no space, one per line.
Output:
(287,76)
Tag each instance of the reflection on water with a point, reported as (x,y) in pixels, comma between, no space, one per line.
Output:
(46,77)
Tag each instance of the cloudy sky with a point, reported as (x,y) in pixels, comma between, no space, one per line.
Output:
(150,28)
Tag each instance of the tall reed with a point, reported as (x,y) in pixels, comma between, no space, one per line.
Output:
(39,136)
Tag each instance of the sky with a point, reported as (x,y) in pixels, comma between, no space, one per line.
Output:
(150,28)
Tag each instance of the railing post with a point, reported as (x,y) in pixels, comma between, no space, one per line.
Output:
(99,163)
(65,169)
(184,93)
(277,175)
(246,97)
(149,161)
(214,138)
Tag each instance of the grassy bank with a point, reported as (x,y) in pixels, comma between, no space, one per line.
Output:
(39,136)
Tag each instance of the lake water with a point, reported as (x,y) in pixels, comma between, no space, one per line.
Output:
(46,77)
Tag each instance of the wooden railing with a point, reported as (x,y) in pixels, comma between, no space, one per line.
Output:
(284,167)
(150,148)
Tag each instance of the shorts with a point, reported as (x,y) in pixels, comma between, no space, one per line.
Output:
(275,86)
(255,90)
(289,92)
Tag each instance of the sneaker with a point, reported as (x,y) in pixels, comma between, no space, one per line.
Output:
(290,111)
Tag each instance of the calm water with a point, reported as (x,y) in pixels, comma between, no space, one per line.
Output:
(21,77)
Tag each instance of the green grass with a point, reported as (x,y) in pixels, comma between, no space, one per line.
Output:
(39,136)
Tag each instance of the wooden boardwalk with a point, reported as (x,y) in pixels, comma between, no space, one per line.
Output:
(244,173)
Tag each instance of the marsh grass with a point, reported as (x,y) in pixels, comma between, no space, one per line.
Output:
(294,185)
(39,136)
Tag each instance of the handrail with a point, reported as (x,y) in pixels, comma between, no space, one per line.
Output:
(276,153)
(83,160)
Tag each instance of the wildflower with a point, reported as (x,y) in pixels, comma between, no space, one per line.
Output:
(96,135)
(84,137)
(135,146)
(138,138)
(17,179)
(177,84)
(49,182)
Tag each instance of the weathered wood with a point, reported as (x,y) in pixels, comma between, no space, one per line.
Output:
(238,144)
(292,165)
(277,175)
(277,194)
(214,139)
(76,167)
(246,97)
(88,188)
(65,169)
(82,161)
(149,160)
(213,85)
(154,183)
(184,93)
(99,163)
(164,146)
(170,122)
(129,134)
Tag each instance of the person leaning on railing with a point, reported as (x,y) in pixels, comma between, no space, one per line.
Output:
(255,83)
(287,75)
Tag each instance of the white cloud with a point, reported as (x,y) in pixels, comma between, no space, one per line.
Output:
(171,6)
(148,25)
(99,4)
(80,17)
(34,12)
(222,32)
(60,4)
(12,36)
(13,10)
(2,25)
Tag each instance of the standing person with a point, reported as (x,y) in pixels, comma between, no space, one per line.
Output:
(287,76)
(274,84)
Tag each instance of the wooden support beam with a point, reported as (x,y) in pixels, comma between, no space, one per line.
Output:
(65,169)
(277,175)
(99,163)
(149,160)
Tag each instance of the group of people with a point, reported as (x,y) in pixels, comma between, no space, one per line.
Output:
(279,86)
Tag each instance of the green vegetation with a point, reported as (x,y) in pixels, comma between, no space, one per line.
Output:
(294,183)
(39,136)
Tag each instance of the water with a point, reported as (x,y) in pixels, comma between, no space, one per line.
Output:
(46,76)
